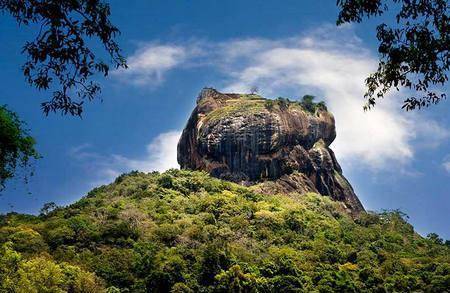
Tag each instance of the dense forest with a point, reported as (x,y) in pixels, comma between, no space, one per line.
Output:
(300,227)
(184,231)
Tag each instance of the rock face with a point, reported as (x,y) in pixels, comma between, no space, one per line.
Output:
(278,145)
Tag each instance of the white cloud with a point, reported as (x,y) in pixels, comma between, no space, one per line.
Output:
(161,155)
(430,133)
(335,68)
(446,164)
(337,73)
(148,64)
(331,63)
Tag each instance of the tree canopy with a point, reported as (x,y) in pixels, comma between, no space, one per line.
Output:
(414,48)
(61,57)
(184,231)
(17,147)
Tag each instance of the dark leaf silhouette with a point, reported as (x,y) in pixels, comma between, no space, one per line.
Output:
(60,57)
(414,50)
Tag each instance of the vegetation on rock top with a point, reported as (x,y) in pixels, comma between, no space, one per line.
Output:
(247,104)
(184,231)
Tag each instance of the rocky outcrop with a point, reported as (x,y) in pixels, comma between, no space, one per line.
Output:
(280,145)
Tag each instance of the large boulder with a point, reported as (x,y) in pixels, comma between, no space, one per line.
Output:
(280,145)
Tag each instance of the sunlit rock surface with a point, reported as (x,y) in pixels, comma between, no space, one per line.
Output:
(277,145)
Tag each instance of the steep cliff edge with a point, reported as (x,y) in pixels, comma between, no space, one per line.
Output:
(276,145)
(186,231)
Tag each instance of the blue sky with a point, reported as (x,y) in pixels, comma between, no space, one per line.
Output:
(394,160)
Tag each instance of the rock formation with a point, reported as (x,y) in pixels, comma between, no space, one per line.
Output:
(277,145)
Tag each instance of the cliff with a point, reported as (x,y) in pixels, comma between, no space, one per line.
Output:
(186,231)
(278,146)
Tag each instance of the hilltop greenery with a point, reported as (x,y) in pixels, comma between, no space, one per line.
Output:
(253,103)
(306,104)
(183,231)
(246,104)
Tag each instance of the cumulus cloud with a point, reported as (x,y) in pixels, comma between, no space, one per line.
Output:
(160,155)
(332,63)
(148,65)
(329,62)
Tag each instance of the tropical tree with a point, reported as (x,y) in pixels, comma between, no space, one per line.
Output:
(17,147)
(413,48)
(60,57)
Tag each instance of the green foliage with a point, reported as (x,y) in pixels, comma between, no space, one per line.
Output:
(41,274)
(184,231)
(413,47)
(283,103)
(48,207)
(62,51)
(26,240)
(246,104)
(17,147)
(309,104)
(269,104)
